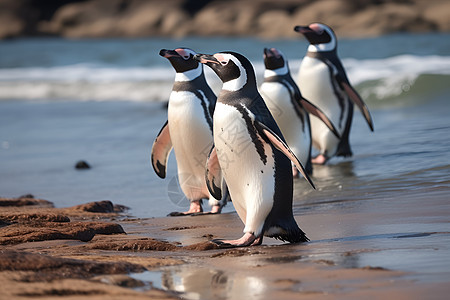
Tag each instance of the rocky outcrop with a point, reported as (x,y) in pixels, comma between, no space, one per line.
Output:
(179,18)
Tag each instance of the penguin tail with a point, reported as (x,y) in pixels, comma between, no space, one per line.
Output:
(292,235)
(344,148)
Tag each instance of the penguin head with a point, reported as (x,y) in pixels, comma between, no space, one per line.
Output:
(274,60)
(320,36)
(181,59)
(234,69)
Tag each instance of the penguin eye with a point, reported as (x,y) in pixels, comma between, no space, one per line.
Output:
(223,62)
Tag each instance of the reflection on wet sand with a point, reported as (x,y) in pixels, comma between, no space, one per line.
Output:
(203,283)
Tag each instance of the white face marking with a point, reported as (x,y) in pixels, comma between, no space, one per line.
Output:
(185,53)
(280,71)
(189,75)
(235,84)
(322,47)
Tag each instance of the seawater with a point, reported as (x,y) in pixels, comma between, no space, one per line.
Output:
(103,101)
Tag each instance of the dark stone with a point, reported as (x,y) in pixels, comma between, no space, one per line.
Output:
(82,165)
(104,206)
(28,196)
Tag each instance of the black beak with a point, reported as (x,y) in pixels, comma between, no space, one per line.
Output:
(303,29)
(168,53)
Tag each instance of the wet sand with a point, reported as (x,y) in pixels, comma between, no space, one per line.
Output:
(396,248)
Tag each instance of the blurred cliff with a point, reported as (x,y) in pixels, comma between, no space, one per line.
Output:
(179,18)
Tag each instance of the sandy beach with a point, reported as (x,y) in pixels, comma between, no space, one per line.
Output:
(90,250)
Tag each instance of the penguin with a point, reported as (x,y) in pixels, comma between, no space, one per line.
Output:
(289,108)
(323,81)
(188,130)
(251,155)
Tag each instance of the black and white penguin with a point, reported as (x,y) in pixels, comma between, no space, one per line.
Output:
(188,130)
(252,155)
(288,107)
(323,81)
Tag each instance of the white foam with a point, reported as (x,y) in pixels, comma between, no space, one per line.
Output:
(97,82)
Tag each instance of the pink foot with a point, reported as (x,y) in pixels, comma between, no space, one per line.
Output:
(295,173)
(319,159)
(246,240)
(194,208)
(216,209)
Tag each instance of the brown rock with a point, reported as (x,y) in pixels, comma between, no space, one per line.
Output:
(50,267)
(24,201)
(82,231)
(135,245)
(438,13)
(203,246)
(105,206)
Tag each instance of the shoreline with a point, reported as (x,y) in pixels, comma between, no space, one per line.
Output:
(178,251)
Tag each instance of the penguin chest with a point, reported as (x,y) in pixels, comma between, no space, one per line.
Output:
(294,124)
(315,80)
(317,84)
(189,129)
(247,162)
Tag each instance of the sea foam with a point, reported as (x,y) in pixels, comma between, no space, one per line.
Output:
(98,82)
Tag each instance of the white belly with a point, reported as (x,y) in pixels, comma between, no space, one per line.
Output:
(250,181)
(192,140)
(296,134)
(314,81)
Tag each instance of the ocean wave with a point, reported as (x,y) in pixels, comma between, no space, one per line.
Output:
(375,79)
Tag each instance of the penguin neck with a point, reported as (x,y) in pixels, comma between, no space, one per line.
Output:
(331,46)
(244,80)
(189,75)
(277,72)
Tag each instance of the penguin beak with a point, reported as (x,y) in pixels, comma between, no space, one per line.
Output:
(206,58)
(168,53)
(267,52)
(303,29)
(272,52)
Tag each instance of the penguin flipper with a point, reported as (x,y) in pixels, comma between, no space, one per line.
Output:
(213,174)
(160,151)
(315,111)
(278,143)
(354,96)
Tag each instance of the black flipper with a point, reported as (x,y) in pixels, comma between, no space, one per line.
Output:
(213,175)
(160,151)
(278,143)
(355,98)
(315,111)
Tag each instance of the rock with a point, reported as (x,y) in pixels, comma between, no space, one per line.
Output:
(35,217)
(146,244)
(24,201)
(29,196)
(82,165)
(105,206)
(82,231)
(49,267)
(118,208)
(120,280)
(179,18)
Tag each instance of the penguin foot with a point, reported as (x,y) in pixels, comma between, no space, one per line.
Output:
(295,173)
(248,239)
(216,209)
(194,209)
(181,214)
(319,159)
